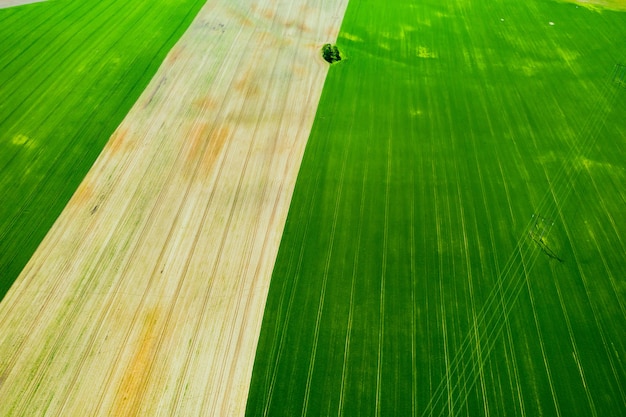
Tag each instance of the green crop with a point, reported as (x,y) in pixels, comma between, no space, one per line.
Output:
(455,241)
(69,73)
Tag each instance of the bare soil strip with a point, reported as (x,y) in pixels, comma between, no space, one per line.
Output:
(5,4)
(147,295)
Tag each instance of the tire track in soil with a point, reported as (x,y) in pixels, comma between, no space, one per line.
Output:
(146,325)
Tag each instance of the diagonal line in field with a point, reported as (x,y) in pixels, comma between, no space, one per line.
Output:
(326,273)
(163,257)
(383,277)
(559,189)
(344,371)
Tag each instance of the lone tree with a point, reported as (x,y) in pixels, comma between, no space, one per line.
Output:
(331,53)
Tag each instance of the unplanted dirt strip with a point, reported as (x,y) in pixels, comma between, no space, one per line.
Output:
(5,4)
(146,297)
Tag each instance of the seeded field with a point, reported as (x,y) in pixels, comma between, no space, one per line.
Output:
(146,296)
(455,244)
(69,73)
(600,5)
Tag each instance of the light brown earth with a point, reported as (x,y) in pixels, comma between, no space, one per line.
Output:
(147,295)
(5,4)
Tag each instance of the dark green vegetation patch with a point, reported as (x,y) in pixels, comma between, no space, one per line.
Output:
(462,149)
(69,73)
(331,53)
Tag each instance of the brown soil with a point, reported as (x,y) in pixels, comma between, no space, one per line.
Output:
(4,4)
(147,295)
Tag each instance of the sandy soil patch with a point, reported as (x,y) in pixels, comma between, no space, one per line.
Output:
(147,295)
(4,4)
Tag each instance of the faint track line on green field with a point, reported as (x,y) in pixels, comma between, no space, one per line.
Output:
(542,346)
(461,365)
(491,337)
(27,21)
(413,303)
(39,104)
(22,48)
(59,340)
(278,347)
(513,359)
(446,379)
(468,265)
(465,342)
(584,277)
(502,305)
(320,308)
(608,269)
(277,357)
(381,330)
(7,225)
(281,342)
(574,346)
(564,181)
(507,292)
(19,79)
(598,322)
(346,355)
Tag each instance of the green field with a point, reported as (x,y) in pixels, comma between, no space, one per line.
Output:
(408,281)
(69,73)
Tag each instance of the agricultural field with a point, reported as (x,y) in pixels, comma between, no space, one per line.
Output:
(600,5)
(146,296)
(455,243)
(452,243)
(69,73)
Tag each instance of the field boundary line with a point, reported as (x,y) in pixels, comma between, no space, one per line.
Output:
(320,308)
(352,290)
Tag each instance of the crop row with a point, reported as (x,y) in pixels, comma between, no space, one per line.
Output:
(69,73)
(453,246)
